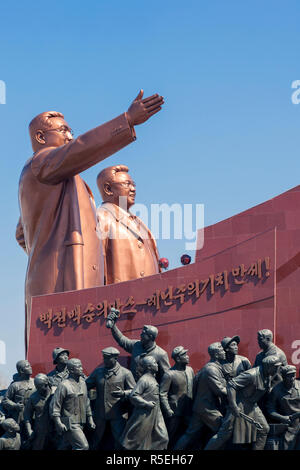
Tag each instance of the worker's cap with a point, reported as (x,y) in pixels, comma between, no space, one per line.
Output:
(57,351)
(10,424)
(288,370)
(178,351)
(152,330)
(272,361)
(111,352)
(227,340)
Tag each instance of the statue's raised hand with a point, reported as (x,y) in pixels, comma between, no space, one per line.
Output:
(112,317)
(141,109)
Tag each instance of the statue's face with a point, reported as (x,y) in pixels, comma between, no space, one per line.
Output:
(123,186)
(289,380)
(42,386)
(76,368)
(62,358)
(145,336)
(59,134)
(233,348)
(109,361)
(26,368)
(262,341)
(220,354)
(271,369)
(155,367)
(183,358)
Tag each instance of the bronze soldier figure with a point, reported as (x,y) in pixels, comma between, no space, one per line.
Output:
(39,427)
(113,384)
(283,406)
(146,429)
(71,409)
(209,395)
(146,346)
(176,394)
(60,358)
(244,419)
(265,342)
(233,364)
(18,393)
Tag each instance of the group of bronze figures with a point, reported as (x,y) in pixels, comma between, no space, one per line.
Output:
(154,406)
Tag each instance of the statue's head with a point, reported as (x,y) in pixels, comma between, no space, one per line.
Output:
(230,344)
(180,355)
(10,425)
(149,333)
(264,338)
(288,373)
(41,382)
(271,365)
(149,364)
(24,367)
(60,355)
(75,367)
(49,129)
(216,351)
(116,186)
(110,357)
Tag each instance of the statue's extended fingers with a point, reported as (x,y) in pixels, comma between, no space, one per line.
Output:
(154,111)
(158,100)
(153,107)
(149,98)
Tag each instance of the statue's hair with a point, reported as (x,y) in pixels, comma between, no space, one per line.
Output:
(108,175)
(42,122)
(266,334)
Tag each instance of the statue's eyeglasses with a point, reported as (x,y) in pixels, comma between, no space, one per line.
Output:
(126,184)
(62,130)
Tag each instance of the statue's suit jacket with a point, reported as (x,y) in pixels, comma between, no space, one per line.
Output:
(57,227)
(130,250)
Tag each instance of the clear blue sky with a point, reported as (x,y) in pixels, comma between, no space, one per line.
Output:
(228,136)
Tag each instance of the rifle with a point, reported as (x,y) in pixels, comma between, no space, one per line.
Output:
(251,420)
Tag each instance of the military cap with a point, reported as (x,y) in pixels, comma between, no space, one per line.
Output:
(57,351)
(288,370)
(110,351)
(227,340)
(178,351)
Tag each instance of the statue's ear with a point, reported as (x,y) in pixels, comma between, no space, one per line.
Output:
(40,137)
(107,189)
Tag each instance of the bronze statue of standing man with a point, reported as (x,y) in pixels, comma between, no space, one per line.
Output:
(57,226)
